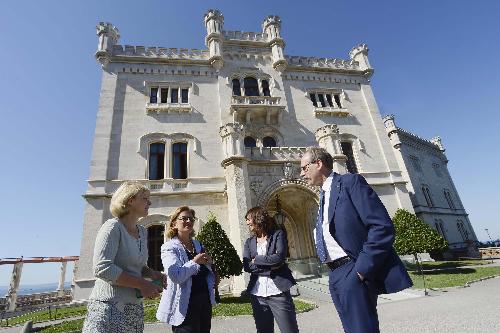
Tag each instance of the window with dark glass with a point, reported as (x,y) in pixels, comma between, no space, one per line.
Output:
(251,86)
(337,100)
(427,195)
(157,161)
(179,160)
(265,88)
(329,100)
(449,199)
(313,99)
(153,95)
(236,87)
(184,95)
(321,100)
(250,142)
(440,228)
(348,152)
(164,95)
(268,142)
(155,241)
(174,95)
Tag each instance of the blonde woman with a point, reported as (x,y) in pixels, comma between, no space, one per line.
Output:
(186,304)
(120,266)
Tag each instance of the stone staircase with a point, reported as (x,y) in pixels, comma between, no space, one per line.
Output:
(316,288)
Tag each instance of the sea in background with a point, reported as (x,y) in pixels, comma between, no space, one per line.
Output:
(34,288)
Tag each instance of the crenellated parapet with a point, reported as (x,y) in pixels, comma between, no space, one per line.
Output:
(108,36)
(155,52)
(232,135)
(360,54)
(325,63)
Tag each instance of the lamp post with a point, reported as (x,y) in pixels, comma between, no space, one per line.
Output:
(491,242)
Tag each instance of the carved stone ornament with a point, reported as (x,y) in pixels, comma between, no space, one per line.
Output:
(256,186)
(327,130)
(231,128)
(288,170)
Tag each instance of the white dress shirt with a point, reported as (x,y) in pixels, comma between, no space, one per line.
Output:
(264,286)
(333,249)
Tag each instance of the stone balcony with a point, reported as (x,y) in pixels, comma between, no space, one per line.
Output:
(245,109)
(169,107)
(275,153)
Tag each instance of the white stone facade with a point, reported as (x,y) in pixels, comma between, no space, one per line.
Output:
(432,191)
(213,117)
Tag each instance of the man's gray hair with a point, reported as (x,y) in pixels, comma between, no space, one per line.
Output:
(318,153)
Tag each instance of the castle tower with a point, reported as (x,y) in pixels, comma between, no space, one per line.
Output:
(214,22)
(272,27)
(360,54)
(108,36)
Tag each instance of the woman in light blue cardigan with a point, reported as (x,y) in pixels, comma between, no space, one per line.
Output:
(186,303)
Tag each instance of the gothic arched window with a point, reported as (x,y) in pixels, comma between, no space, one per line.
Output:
(268,141)
(179,160)
(250,142)
(251,86)
(156,161)
(236,87)
(265,88)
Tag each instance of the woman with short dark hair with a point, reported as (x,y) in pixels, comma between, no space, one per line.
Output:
(270,278)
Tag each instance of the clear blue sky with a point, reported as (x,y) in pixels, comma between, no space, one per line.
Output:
(436,69)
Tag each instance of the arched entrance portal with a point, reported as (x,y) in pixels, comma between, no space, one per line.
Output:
(299,206)
(155,225)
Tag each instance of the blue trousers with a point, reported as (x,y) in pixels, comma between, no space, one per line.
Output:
(355,303)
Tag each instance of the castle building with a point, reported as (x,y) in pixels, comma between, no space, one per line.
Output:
(223,130)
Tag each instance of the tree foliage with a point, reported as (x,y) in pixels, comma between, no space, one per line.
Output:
(217,244)
(414,235)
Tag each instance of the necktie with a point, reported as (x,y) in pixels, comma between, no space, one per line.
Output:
(320,241)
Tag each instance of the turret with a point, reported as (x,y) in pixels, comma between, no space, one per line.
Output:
(108,36)
(272,27)
(214,22)
(437,141)
(360,54)
(392,130)
(328,138)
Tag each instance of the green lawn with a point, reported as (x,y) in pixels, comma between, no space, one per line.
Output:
(446,264)
(452,277)
(46,315)
(229,306)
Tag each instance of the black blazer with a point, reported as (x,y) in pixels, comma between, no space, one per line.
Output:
(272,264)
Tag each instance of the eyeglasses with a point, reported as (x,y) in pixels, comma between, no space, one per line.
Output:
(304,168)
(186,218)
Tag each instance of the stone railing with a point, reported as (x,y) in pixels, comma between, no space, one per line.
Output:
(490,252)
(322,62)
(275,153)
(160,52)
(255,100)
(245,36)
(42,299)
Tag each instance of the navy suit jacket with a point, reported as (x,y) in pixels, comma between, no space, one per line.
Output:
(272,264)
(361,225)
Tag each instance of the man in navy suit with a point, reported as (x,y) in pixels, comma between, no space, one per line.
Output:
(354,236)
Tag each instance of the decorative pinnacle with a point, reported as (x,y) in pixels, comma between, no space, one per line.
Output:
(271,19)
(361,48)
(437,141)
(106,28)
(214,14)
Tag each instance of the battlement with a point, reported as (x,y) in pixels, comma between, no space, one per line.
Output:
(332,63)
(160,52)
(245,36)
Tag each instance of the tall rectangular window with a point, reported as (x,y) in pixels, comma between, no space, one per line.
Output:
(462,230)
(157,161)
(184,95)
(440,228)
(321,100)
(153,95)
(449,199)
(174,95)
(164,95)
(427,195)
(179,160)
(337,100)
(329,100)
(313,99)
(348,152)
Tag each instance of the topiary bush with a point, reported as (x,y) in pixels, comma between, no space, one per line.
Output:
(226,260)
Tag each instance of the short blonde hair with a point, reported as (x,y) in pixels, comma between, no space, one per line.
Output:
(171,229)
(122,195)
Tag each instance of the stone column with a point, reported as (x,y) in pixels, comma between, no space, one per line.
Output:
(328,138)
(14,285)
(62,276)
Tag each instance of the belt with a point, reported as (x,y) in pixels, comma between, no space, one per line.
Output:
(337,262)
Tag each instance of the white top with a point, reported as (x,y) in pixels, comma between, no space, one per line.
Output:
(333,249)
(264,286)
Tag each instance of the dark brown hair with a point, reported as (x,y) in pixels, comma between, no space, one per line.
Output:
(171,229)
(263,222)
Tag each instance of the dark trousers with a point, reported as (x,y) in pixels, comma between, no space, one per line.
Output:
(199,315)
(279,307)
(355,303)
